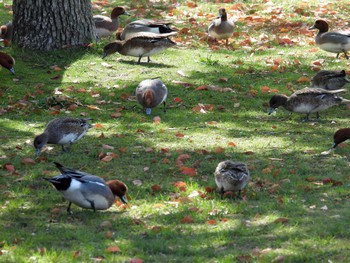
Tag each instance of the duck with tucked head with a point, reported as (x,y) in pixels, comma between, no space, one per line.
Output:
(106,26)
(140,45)
(7,62)
(329,79)
(221,28)
(66,130)
(334,42)
(145,25)
(307,101)
(150,93)
(231,176)
(86,190)
(340,136)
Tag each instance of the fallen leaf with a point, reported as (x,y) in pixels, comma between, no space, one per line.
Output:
(76,254)
(232,144)
(282,220)
(219,150)
(189,171)
(177,100)
(93,107)
(136,260)
(156,120)
(187,220)
(107,158)
(108,147)
(27,160)
(137,182)
(98,126)
(113,249)
(9,167)
(303,79)
(156,188)
(212,222)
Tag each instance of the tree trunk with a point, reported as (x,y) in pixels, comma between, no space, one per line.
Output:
(52,24)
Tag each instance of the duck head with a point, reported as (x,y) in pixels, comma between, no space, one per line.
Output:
(39,142)
(320,25)
(222,14)
(148,100)
(119,189)
(340,136)
(7,62)
(111,48)
(276,101)
(117,11)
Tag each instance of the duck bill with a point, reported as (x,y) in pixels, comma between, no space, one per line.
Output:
(12,70)
(126,13)
(271,110)
(313,27)
(104,55)
(123,199)
(37,152)
(148,111)
(334,145)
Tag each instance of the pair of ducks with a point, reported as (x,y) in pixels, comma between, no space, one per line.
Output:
(92,192)
(66,131)
(141,38)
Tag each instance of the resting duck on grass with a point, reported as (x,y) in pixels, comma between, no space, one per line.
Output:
(150,93)
(329,79)
(140,45)
(106,26)
(307,100)
(231,176)
(221,28)
(7,62)
(62,131)
(145,25)
(334,42)
(86,190)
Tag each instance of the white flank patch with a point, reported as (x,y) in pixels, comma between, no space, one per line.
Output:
(102,32)
(332,47)
(303,108)
(74,185)
(70,137)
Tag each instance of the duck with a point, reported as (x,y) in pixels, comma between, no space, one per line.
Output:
(145,25)
(329,79)
(150,93)
(86,190)
(7,62)
(221,28)
(231,176)
(340,136)
(307,101)
(6,31)
(62,131)
(140,45)
(106,26)
(334,42)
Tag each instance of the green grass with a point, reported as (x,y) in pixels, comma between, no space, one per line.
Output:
(283,154)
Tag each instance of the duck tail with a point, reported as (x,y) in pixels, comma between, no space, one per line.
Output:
(345,101)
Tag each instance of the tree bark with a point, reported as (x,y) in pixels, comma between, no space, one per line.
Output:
(52,24)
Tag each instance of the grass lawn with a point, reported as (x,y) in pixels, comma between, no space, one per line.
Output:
(296,207)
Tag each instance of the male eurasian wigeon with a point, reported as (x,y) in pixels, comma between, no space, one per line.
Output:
(150,93)
(66,130)
(334,42)
(231,176)
(146,25)
(106,26)
(140,45)
(86,190)
(221,28)
(329,79)
(307,100)
(7,62)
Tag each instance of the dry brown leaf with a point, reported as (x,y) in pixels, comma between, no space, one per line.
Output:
(113,249)
(27,160)
(187,220)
